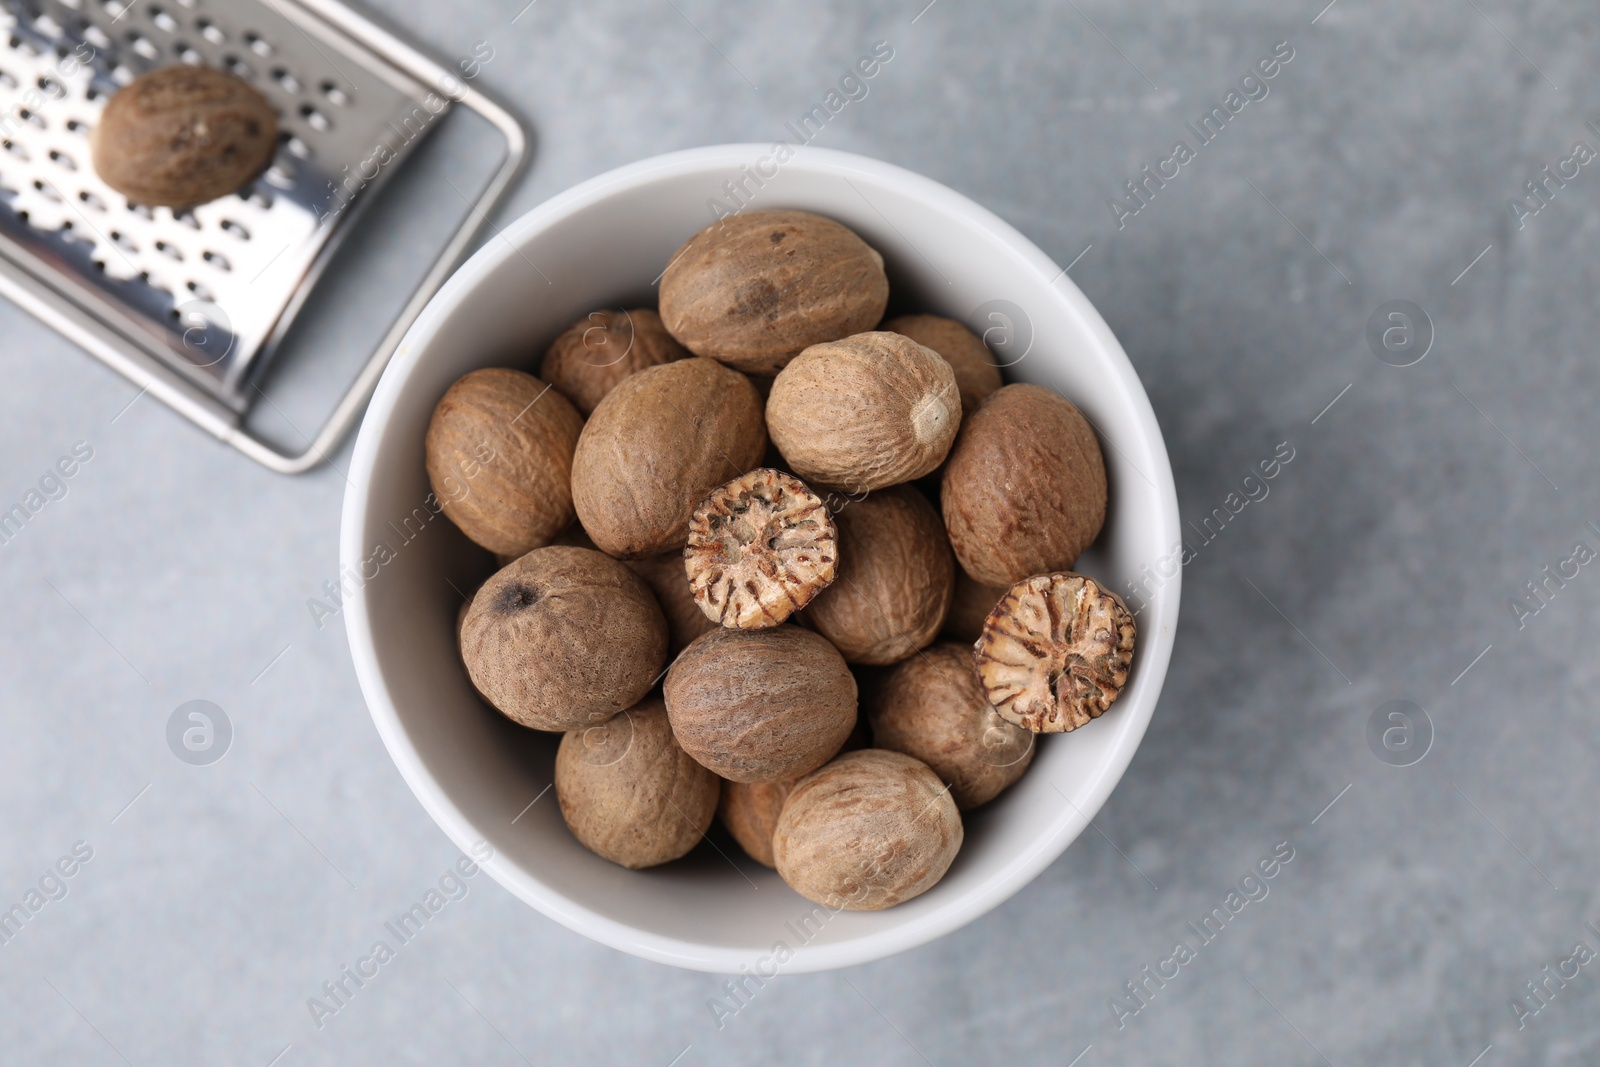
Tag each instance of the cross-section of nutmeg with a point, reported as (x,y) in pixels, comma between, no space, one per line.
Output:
(760,547)
(1054,652)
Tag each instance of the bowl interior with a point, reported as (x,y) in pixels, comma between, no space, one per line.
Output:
(604,244)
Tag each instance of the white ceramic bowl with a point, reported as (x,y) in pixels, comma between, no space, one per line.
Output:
(603,243)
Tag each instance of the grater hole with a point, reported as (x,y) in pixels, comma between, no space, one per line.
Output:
(22,45)
(169,251)
(96,36)
(16,149)
(256,197)
(32,118)
(186,53)
(142,46)
(217,260)
(73,4)
(233,229)
(92,200)
(48,191)
(163,21)
(297,148)
(201,291)
(285,77)
(8,81)
(255,43)
(211,31)
(281,174)
(48,26)
(190,4)
(336,96)
(74,126)
(186,217)
(141,210)
(239,68)
(315,119)
(61,159)
(51,88)
(114,8)
(122,74)
(122,241)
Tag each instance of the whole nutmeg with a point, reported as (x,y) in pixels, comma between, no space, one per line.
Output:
(759,549)
(896,576)
(750,811)
(563,638)
(182,136)
(754,289)
(655,446)
(977,375)
(629,793)
(969,607)
(664,575)
(499,456)
(869,411)
(870,830)
(1024,491)
(932,707)
(604,347)
(1055,652)
(761,705)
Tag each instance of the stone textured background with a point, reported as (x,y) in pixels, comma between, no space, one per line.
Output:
(1382,562)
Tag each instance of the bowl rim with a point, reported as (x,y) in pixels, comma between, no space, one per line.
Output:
(1158,632)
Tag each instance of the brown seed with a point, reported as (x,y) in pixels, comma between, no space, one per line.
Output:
(969,606)
(182,136)
(760,547)
(604,347)
(761,705)
(932,707)
(977,375)
(628,791)
(870,830)
(1024,491)
(1055,652)
(869,411)
(664,575)
(655,446)
(499,457)
(750,810)
(895,580)
(754,289)
(563,638)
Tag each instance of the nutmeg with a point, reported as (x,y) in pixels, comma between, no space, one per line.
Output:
(969,606)
(1055,652)
(932,707)
(869,411)
(870,830)
(182,136)
(760,547)
(754,289)
(977,375)
(655,446)
(628,791)
(599,350)
(761,705)
(664,575)
(563,638)
(895,579)
(1024,491)
(499,457)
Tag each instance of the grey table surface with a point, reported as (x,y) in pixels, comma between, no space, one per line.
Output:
(1385,564)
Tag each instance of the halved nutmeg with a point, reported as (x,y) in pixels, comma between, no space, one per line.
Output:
(1054,653)
(760,547)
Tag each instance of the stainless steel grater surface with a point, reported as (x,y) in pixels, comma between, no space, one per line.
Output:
(208,293)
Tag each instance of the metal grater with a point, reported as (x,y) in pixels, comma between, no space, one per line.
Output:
(192,304)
